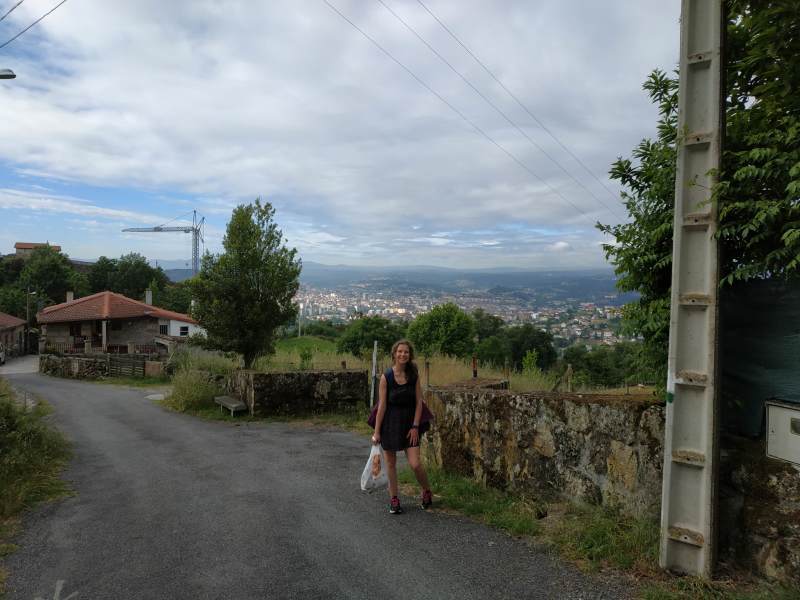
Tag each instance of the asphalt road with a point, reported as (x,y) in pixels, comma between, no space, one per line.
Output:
(171,507)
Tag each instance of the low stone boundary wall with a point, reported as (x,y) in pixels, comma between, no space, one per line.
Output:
(95,366)
(299,392)
(599,449)
(74,367)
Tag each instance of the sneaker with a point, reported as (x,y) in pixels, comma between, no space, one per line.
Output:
(427,499)
(394,506)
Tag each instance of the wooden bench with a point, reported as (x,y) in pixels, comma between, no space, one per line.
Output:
(232,404)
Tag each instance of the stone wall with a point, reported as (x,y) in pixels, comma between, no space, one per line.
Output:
(599,449)
(759,513)
(299,392)
(74,367)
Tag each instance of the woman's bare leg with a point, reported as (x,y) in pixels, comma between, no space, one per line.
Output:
(415,462)
(391,470)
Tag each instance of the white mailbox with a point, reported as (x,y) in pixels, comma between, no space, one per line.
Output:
(783,431)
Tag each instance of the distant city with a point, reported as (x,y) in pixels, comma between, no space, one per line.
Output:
(575,307)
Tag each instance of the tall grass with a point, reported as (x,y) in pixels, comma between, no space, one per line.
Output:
(602,537)
(513,513)
(192,358)
(31,455)
(192,391)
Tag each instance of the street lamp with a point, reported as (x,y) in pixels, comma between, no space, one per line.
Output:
(7,74)
(28,319)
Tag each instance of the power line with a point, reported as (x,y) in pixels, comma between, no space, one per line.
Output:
(32,24)
(497,109)
(518,101)
(453,108)
(10,10)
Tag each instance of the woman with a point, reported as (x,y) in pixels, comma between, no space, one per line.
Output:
(398,419)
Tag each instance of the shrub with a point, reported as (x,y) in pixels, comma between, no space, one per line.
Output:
(31,456)
(192,391)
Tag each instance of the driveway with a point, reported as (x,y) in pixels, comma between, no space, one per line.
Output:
(20,364)
(171,507)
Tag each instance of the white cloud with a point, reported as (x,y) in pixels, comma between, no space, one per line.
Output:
(221,102)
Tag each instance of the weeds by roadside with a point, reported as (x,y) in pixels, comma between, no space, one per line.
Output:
(515,514)
(32,456)
(593,537)
(191,392)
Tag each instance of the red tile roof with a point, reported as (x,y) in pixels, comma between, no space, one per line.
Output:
(32,245)
(106,305)
(9,322)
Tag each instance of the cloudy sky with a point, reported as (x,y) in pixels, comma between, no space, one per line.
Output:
(134,112)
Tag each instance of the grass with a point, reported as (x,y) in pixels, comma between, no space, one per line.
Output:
(515,514)
(32,456)
(600,538)
(596,538)
(316,344)
(193,358)
(192,392)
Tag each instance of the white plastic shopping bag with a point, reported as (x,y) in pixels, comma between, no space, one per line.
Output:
(374,476)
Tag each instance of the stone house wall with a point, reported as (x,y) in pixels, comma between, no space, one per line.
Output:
(598,449)
(139,331)
(13,338)
(298,392)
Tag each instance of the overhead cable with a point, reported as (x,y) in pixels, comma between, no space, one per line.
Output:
(10,10)
(4,44)
(454,109)
(518,101)
(498,109)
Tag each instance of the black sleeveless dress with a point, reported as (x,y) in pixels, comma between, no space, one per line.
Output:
(401,404)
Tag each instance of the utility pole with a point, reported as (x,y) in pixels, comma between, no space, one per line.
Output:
(691,444)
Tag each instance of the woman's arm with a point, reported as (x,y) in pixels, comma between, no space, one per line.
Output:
(413,434)
(376,436)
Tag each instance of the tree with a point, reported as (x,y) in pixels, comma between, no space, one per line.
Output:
(101,274)
(759,184)
(486,325)
(324,329)
(759,189)
(133,275)
(525,338)
(173,296)
(446,329)
(50,274)
(10,269)
(642,251)
(244,294)
(359,336)
(495,351)
(12,301)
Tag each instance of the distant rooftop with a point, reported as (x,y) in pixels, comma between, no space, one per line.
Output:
(33,245)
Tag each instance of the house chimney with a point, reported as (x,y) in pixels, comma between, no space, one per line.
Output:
(148,297)
(70,296)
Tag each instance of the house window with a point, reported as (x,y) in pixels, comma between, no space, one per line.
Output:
(163,329)
(184,330)
(75,329)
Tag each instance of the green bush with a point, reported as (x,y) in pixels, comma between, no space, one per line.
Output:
(31,456)
(192,391)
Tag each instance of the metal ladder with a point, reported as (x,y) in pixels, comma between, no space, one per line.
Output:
(688,503)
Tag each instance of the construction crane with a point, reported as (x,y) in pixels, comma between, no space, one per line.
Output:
(196,229)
